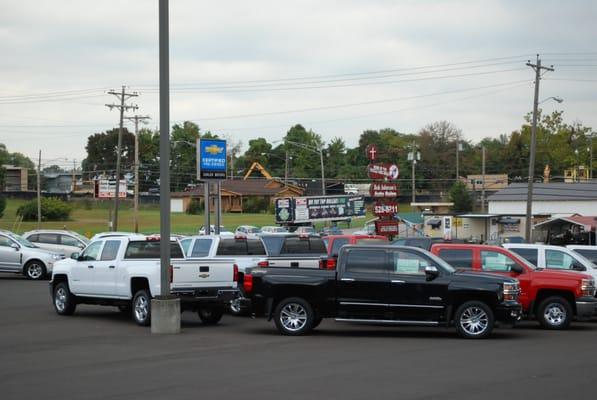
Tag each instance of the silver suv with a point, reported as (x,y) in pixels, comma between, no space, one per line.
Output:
(20,256)
(58,241)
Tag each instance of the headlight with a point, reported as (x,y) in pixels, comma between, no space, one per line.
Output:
(511,291)
(587,287)
(57,256)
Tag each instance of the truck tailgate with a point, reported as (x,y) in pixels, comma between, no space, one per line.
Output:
(203,273)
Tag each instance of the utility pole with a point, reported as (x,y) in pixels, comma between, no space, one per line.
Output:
(457,157)
(538,68)
(322,172)
(413,156)
(123,96)
(39,191)
(286,168)
(74,177)
(136,119)
(483,179)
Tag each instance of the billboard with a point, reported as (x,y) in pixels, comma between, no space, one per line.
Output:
(319,208)
(107,187)
(211,159)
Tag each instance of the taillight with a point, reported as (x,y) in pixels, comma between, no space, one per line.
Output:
(235,277)
(170,273)
(331,263)
(248,283)
(263,264)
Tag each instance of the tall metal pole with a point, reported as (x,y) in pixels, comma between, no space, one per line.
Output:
(206,207)
(218,207)
(136,199)
(591,157)
(529,214)
(118,154)
(483,179)
(39,191)
(457,166)
(412,173)
(286,168)
(164,148)
(322,172)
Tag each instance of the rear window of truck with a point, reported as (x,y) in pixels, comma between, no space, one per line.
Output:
(242,247)
(150,249)
(296,245)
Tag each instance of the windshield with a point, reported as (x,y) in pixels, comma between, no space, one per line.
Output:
(584,260)
(80,237)
(22,241)
(444,265)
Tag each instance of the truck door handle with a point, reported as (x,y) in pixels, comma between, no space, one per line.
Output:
(112,266)
(347,279)
(398,281)
(90,266)
(294,264)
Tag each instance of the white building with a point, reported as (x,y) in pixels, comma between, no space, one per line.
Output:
(549,199)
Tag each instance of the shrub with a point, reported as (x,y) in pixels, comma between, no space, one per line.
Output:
(195,207)
(2,205)
(52,209)
(257,205)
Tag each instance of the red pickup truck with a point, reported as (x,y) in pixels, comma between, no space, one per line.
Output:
(552,297)
(334,243)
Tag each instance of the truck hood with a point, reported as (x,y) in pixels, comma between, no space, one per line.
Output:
(553,274)
(463,276)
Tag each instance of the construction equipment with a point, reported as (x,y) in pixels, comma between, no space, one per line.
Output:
(258,167)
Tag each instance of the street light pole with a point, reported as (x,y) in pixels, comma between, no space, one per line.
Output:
(315,150)
(322,172)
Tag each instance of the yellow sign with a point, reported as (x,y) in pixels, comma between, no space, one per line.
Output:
(214,149)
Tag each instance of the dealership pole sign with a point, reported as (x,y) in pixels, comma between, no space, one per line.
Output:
(211,159)
(384,192)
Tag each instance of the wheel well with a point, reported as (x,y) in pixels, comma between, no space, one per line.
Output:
(34,260)
(545,293)
(138,284)
(56,279)
(461,298)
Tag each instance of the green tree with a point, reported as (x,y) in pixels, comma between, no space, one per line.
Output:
(102,149)
(461,198)
(305,158)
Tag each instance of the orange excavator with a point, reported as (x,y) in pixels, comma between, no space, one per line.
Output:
(258,167)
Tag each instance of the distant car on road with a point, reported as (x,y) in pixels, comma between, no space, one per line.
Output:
(212,231)
(247,230)
(60,241)
(273,229)
(305,230)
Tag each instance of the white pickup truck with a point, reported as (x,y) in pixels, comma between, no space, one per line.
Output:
(125,272)
(243,250)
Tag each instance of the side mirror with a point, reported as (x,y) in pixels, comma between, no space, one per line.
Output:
(15,246)
(517,269)
(431,272)
(74,256)
(578,267)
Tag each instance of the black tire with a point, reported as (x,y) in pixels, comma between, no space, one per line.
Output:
(64,301)
(554,313)
(474,320)
(210,316)
(294,316)
(35,270)
(141,308)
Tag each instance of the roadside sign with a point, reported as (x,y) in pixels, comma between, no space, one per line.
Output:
(382,190)
(319,208)
(383,171)
(107,187)
(385,209)
(387,227)
(371,151)
(211,159)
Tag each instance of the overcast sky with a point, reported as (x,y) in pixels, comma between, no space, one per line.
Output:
(236,66)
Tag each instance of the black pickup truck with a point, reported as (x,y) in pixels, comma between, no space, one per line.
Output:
(381,284)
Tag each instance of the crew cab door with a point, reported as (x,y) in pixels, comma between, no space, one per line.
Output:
(363,284)
(105,269)
(83,270)
(411,296)
(502,263)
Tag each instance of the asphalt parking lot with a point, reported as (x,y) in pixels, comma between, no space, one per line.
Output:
(100,354)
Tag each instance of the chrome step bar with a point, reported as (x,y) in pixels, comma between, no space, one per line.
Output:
(387,321)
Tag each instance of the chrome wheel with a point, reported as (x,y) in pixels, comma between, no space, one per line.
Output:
(293,317)
(35,271)
(235,306)
(141,308)
(60,299)
(554,314)
(474,321)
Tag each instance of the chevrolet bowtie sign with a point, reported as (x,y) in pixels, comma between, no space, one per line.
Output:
(211,159)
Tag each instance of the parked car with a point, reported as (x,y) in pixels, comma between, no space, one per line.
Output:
(294,251)
(554,257)
(391,285)
(554,298)
(125,272)
(59,241)
(273,229)
(245,251)
(424,243)
(588,252)
(20,256)
(335,242)
(247,230)
(212,230)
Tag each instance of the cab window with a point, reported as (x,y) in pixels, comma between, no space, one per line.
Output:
(495,261)
(232,247)
(366,261)
(185,243)
(110,250)
(150,249)
(69,241)
(92,251)
(336,245)
(5,242)
(531,255)
(201,248)
(48,238)
(556,259)
(458,258)
(591,255)
(408,263)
